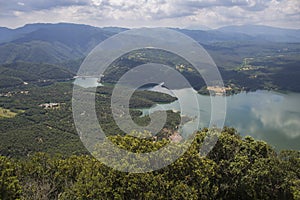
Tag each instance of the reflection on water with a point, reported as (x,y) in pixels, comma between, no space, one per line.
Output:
(266,115)
(87,82)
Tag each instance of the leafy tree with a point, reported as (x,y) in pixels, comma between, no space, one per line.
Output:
(10,187)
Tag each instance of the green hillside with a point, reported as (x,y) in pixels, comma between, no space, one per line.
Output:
(37,51)
(15,74)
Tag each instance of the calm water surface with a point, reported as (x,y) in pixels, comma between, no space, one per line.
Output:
(265,115)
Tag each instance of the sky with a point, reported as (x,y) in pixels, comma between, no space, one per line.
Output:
(193,14)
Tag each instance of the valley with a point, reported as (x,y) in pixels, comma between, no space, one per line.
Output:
(44,76)
(42,154)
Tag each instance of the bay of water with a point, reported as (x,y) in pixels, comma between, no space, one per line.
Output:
(265,115)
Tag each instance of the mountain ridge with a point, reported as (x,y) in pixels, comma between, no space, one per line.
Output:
(65,41)
(253,32)
(265,32)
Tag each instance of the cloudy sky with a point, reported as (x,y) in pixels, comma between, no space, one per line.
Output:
(152,13)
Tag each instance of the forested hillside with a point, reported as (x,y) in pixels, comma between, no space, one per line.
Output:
(236,168)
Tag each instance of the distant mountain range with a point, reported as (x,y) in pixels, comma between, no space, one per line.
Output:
(56,43)
(267,33)
(45,53)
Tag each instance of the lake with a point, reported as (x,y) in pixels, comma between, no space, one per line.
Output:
(265,115)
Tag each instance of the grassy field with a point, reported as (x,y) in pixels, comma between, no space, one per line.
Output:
(5,113)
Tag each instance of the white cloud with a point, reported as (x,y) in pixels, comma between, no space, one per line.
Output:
(97,2)
(21,4)
(178,13)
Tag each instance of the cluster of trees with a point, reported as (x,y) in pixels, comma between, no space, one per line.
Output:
(236,168)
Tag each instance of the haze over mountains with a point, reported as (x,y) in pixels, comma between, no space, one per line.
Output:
(55,43)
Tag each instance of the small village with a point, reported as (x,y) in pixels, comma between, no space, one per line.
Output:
(10,94)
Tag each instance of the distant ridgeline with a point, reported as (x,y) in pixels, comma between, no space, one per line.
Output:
(248,57)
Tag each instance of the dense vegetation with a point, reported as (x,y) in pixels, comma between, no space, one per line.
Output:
(36,129)
(236,168)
